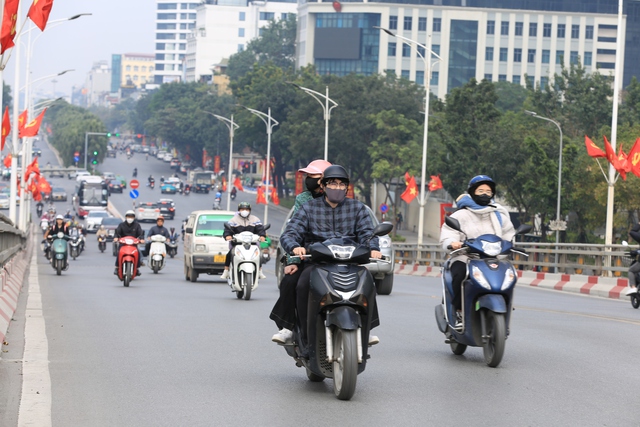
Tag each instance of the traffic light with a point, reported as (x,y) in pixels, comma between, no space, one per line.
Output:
(109,134)
(95,153)
(94,161)
(139,136)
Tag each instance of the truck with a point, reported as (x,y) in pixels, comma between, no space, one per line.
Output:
(201,181)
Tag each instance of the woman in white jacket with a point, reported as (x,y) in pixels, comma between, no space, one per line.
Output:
(478,214)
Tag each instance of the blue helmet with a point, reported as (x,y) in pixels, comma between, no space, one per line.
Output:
(478,180)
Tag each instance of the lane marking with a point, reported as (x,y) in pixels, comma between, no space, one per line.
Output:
(572,313)
(35,403)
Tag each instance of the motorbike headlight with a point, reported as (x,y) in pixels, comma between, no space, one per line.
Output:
(201,248)
(509,279)
(341,252)
(238,253)
(479,277)
(255,252)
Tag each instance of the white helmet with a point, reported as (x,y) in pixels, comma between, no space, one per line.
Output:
(130,213)
(60,217)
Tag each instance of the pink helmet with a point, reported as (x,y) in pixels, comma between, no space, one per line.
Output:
(316,167)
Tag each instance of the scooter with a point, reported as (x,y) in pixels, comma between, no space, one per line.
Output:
(157,253)
(39,211)
(233,193)
(102,243)
(151,184)
(245,263)
(128,255)
(74,245)
(172,246)
(187,190)
(341,303)
(44,225)
(633,293)
(216,204)
(59,253)
(46,248)
(487,296)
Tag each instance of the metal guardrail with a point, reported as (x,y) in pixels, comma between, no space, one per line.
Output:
(12,240)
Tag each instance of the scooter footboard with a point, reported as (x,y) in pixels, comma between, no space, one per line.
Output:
(493,302)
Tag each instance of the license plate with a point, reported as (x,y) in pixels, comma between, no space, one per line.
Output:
(219,258)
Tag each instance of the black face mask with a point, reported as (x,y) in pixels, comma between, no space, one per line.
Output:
(335,195)
(312,183)
(482,199)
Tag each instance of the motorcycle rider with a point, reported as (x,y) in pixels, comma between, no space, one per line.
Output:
(39,208)
(635,267)
(234,192)
(217,200)
(322,218)
(57,227)
(68,216)
(102,232)
(160,229)
(478,214)
(242,221)
(129,227)
(151,179)
(284,310)
(135,172)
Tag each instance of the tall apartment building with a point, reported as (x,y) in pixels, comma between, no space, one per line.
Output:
(174,21)
(97,85)
(500,40)
(224,27)
(132,70)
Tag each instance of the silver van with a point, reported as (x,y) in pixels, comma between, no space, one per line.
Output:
(204,247)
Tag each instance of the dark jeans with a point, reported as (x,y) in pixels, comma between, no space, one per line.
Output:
(302,298)
(635,268)
(284,311)
(458,274)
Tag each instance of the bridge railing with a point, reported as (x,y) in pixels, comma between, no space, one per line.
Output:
(12,240)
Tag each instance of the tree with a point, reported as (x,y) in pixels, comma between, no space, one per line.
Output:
(7,99)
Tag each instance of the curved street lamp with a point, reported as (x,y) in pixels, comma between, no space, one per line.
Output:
(232,127)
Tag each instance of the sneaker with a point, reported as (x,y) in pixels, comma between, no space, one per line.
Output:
(458,319)
(115,271)
(261,274)
(225,275)
(373,340)
(283,336)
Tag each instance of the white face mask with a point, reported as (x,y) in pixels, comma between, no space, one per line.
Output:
(244,214)
(129,220)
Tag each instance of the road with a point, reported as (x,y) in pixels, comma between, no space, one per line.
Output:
(167,352)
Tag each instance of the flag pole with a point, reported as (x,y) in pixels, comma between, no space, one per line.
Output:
(13,207)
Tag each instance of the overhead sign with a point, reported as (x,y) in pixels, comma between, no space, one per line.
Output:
(134,184)
(384,208)
(134,194)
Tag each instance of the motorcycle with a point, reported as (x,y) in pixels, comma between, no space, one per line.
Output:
(102,243)
(187,190)
(233,193)
(127,259)
(151,184)
(59,253)
(216,204)
(633,293)
(44,225)
(46,248)
(157,253)
(245,263)
(487,296)
(39,210)
(172,246)
(74,244)
(341,297)
(265,255)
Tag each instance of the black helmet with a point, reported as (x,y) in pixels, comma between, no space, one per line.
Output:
(477,181)
(335,172)
(244,205)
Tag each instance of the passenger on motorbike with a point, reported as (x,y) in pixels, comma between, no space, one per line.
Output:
(635,267)
(129,227)
(172,234)
(102,232)
(284,310)
(57,227)
(242,221)
(478,214)
(322,218)
(160,229)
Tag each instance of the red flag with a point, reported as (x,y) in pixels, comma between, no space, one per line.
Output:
(634,158)
(33,127)
(6,127)
(260,198)
(33,188)
(32,168)
(274,196)
(435,183)
(592,149)
(39,12)
(43,185)
(412,189)
(7,161)
(625,165)
(9,21)
(37,196)
(238,184)
(22,120)
(611,155)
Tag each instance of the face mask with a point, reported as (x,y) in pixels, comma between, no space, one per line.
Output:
(311,183)
(244,214)
(482,199)
(335,195)
(129,220)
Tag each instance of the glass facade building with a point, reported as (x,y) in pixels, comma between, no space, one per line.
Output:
(463,45)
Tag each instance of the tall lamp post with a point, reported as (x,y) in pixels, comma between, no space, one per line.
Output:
(270,123)
(327,111)
(232,127)
(428,65)
(559,224)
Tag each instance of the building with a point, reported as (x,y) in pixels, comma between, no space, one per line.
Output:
(474,38)
(137,69)
(174,21)
(224,27)
(97,84)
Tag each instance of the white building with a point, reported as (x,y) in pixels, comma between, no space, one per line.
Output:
(224,28)
(97,85)
(496,44)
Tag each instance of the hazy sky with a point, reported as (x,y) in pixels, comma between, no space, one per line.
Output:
(116,26)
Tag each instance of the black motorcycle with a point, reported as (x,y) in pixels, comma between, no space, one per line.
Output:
(172,246)
(39,210)
(74,247)
(341,303)
(102,243)
(633,293)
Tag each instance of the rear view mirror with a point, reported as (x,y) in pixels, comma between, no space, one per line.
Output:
(524,229)
(452,222)
(382,229)
(267,226)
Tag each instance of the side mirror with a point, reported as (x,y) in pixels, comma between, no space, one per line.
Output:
(625,243)
(267,226)
(382,229)
(188,230)
(452,223)
(524,229)
(227,226)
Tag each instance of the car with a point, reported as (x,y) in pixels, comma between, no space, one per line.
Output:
(115,187)
(110,224)
(160,154)
(78,172)
(122,180)
(36,152)
(58,194)
(147,211)
(175,163)
(167,208)
(4,201)
(170,185)
(93,220)
(112,153)
(145,149)
(167,157)
(382,271)
(108,176)
(56,173)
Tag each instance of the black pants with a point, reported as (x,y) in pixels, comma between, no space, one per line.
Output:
(458,274)
(302,298)
(284,311)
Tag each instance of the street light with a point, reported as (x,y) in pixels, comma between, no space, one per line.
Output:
(232,127)
(427,77)
(535,115)
(325,108)
(50,76)
(270,123)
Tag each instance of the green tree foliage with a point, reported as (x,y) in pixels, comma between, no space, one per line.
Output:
(7,99)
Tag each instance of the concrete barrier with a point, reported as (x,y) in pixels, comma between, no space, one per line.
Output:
(12,277)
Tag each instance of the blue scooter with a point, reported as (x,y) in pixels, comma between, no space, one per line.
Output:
(59,253)
(487,296)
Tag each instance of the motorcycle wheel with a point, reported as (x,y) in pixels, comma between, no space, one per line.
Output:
(247,282)
(635,301)
(74,255)
(313,377)
(59,268)
(457,348)
(494,347)
(155,268)
(345,364)
(128,271)
(172,254)
(101,249)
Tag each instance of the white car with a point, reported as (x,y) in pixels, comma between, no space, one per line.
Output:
(147,211)
(108,176)
(4,201)
(77,173)
(94,220)
(168,157)
(160,155)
